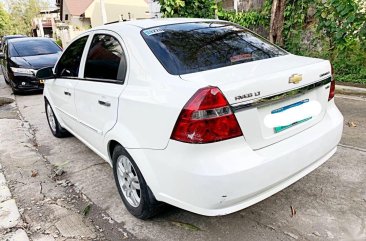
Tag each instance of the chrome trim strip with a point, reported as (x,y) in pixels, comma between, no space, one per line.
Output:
(91,128)
(84,124)
(71,116)
(281,96)
(324,74)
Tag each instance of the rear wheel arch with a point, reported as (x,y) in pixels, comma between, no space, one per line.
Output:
(111,145)
(147,205)
(139,160)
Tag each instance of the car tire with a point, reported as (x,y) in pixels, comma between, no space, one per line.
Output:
(53,123)
(6,81)
(145,205)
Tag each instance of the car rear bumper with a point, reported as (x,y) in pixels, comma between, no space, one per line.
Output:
(224,177)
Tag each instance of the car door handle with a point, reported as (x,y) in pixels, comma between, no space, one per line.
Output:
(67,93)
(101,102)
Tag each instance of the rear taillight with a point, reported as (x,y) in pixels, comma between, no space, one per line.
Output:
(332,85)
(207,117)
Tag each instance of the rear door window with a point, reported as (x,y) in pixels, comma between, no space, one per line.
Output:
(198,46)
(106,59)
(69,63)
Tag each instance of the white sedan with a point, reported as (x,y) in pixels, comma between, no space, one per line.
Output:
(201,114)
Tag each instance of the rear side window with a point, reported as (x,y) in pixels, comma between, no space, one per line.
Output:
(106,59)
(193,47)
(69,63)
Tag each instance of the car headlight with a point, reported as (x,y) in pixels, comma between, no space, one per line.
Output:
(23,71)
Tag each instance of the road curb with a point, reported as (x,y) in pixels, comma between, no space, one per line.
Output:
(350,90)
(9,213)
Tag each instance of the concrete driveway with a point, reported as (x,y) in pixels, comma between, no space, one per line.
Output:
(330,203)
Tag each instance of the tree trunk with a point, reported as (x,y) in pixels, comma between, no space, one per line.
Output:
(277,21)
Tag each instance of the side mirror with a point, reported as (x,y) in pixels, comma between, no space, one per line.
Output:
(2,56)
(45,73)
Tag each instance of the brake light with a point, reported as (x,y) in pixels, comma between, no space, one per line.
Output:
(207,117)
(332,85)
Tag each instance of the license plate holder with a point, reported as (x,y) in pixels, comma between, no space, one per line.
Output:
(278,129)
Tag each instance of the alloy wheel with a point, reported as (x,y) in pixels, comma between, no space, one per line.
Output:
(128,181)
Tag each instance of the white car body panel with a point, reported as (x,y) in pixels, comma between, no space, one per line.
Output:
(228,175)
(89,99)
(63,102)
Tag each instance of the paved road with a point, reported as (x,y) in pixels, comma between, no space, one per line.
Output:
(330,203)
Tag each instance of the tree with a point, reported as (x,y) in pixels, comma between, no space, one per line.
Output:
(4,21)
(342,23)
(188,8)
(22,13)
(277,22)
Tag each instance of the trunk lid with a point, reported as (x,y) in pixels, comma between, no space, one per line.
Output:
(267,106)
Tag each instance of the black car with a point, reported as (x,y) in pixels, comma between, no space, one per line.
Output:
(22,57)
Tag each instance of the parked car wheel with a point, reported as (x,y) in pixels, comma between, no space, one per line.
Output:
(15,92)
(6,81)
(53,123)
(135,194)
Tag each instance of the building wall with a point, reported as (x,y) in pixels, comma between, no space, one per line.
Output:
(154,9)
(44,25)
(116,9)
(243,5)
(78,22)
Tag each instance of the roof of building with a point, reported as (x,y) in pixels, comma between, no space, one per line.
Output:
(77,7)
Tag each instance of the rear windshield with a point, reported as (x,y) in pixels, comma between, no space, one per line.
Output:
(34,47)
(193,47)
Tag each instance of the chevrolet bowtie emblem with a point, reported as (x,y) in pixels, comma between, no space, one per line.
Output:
(295,78)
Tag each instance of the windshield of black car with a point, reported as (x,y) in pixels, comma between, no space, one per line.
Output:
(192,47)
(34,47)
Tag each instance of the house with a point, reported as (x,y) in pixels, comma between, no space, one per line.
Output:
(44,24)
(77,16)
(72,12)
(83,14)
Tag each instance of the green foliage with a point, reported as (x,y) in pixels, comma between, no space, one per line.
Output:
(343,28)
(294,26)
(246,19)
(188,8)
(350,63)
(22,12)
(59,42)
(250,19)
(342,23)
(4,21)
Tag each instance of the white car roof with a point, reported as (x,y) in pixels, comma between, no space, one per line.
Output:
(148,23)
